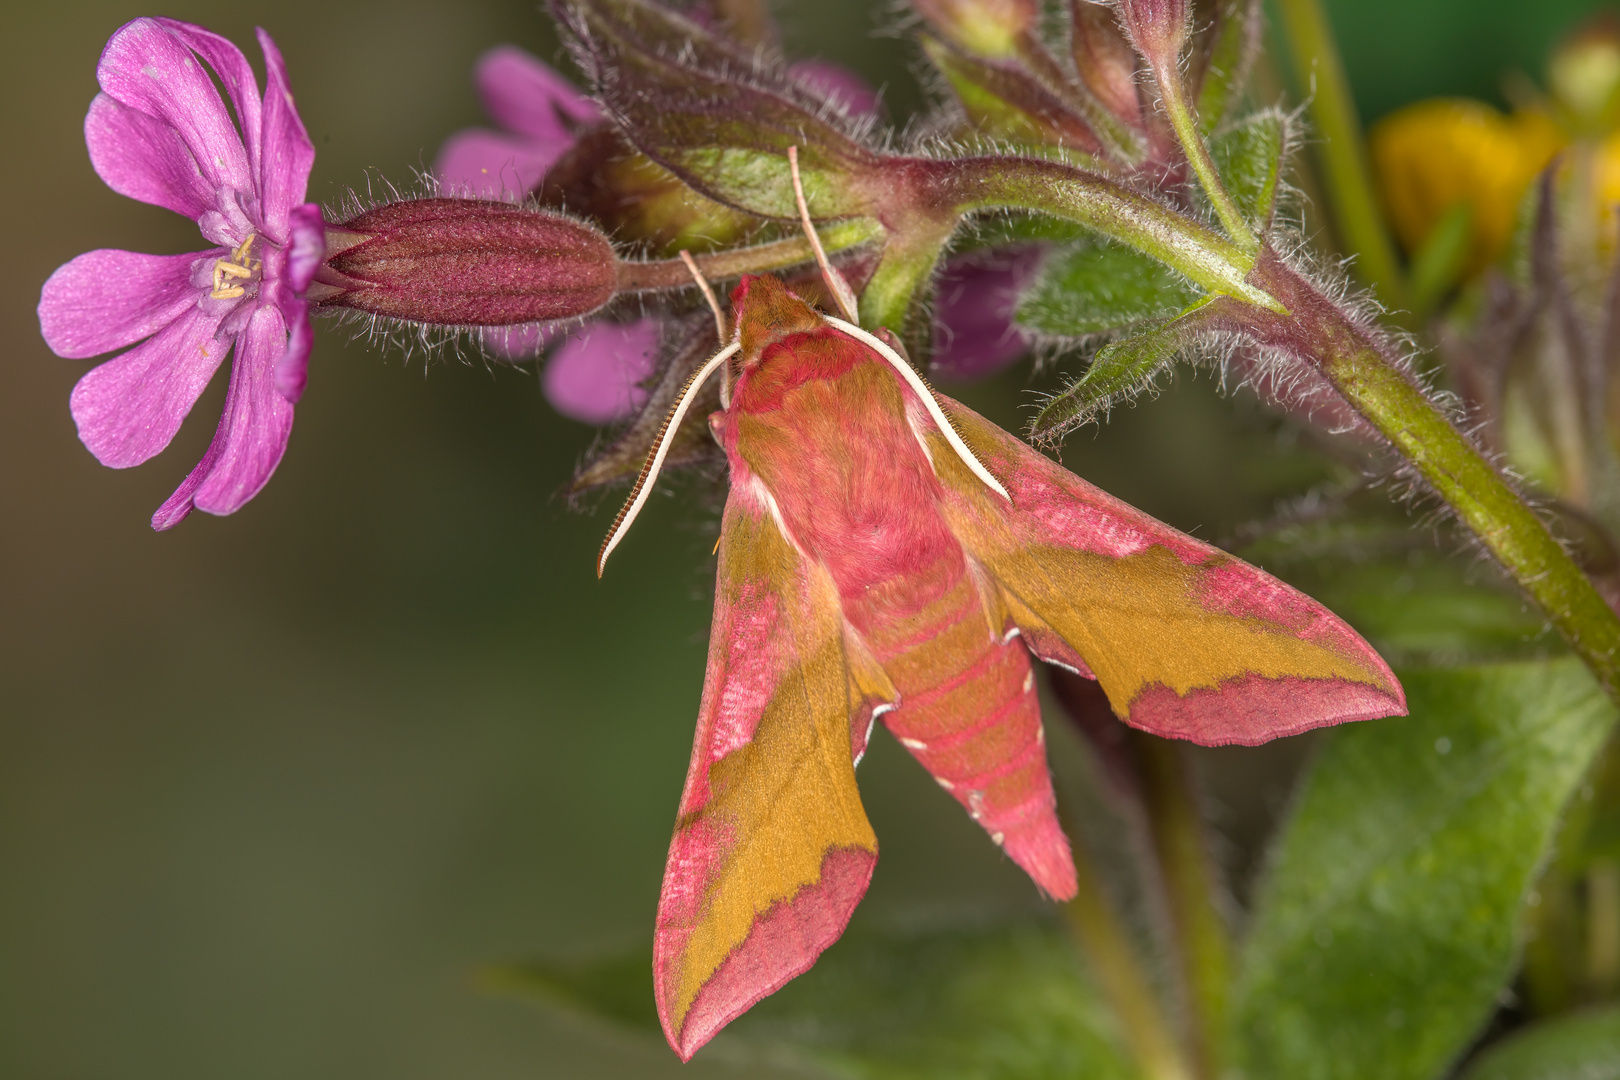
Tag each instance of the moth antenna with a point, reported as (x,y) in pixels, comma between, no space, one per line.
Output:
(655,460)
(930,401)
(708,294)
(842,294)
(719,320)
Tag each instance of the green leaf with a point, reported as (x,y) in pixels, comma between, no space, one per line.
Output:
(1120,370)
(989,1003)
(1585,1046)
(1094,287)
(1386,926)
(1249,156)
(721,124)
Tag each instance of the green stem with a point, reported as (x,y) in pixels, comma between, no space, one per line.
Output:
(1114,962)
(1320,333)
(1190,135)
(907,260)
(1198,253)
(1178,837)
(1357,219)
(759,259)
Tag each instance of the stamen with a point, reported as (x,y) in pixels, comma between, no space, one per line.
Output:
(926,392)
(842,294)
(238,266)
(655,460)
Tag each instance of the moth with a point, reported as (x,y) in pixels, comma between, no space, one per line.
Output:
(885,551)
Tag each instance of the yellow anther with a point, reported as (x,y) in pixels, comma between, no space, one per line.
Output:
(238,266)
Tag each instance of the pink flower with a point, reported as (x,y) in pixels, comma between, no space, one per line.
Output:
(160,132)
(595,375)
(974,308)
(540,111)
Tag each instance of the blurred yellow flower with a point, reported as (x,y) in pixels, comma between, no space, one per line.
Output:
(1435,154)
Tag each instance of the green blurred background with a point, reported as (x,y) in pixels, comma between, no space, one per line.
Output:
(274,786)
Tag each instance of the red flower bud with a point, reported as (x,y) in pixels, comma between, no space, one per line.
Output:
(465,262)
(1105,60)
(1158,28)
(604,178)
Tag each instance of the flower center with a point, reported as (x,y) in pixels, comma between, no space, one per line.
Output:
(231,273)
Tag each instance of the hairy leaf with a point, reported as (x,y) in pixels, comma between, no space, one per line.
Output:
(1094,287)
(988,1003)
(1120,370)
(1386,926)
(721,124)
(1585,1046)
(1249,157)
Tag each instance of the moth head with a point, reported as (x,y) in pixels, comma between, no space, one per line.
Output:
(765,311)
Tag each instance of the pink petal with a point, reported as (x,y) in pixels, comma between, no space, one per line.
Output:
(836,83)
(292,370)
(147,66)
(144,158)
(485,164)
(234,73)
(130,407)
(106,299)
(975,304)
(287,154)
(593,376)
(306,245)
(522,94)
(257,422)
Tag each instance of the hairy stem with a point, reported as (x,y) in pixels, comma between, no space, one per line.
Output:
(1204,257)
(1190,134)
(760,259)
(1357,220)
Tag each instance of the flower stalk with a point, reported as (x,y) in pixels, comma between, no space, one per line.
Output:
(1204,257)
(1188,131)
(764,258)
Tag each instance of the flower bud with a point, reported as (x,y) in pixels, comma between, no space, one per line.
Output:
(986,28)
(604,178)
(1584,73)
(1159,30)
(465,262)
(1105,60)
